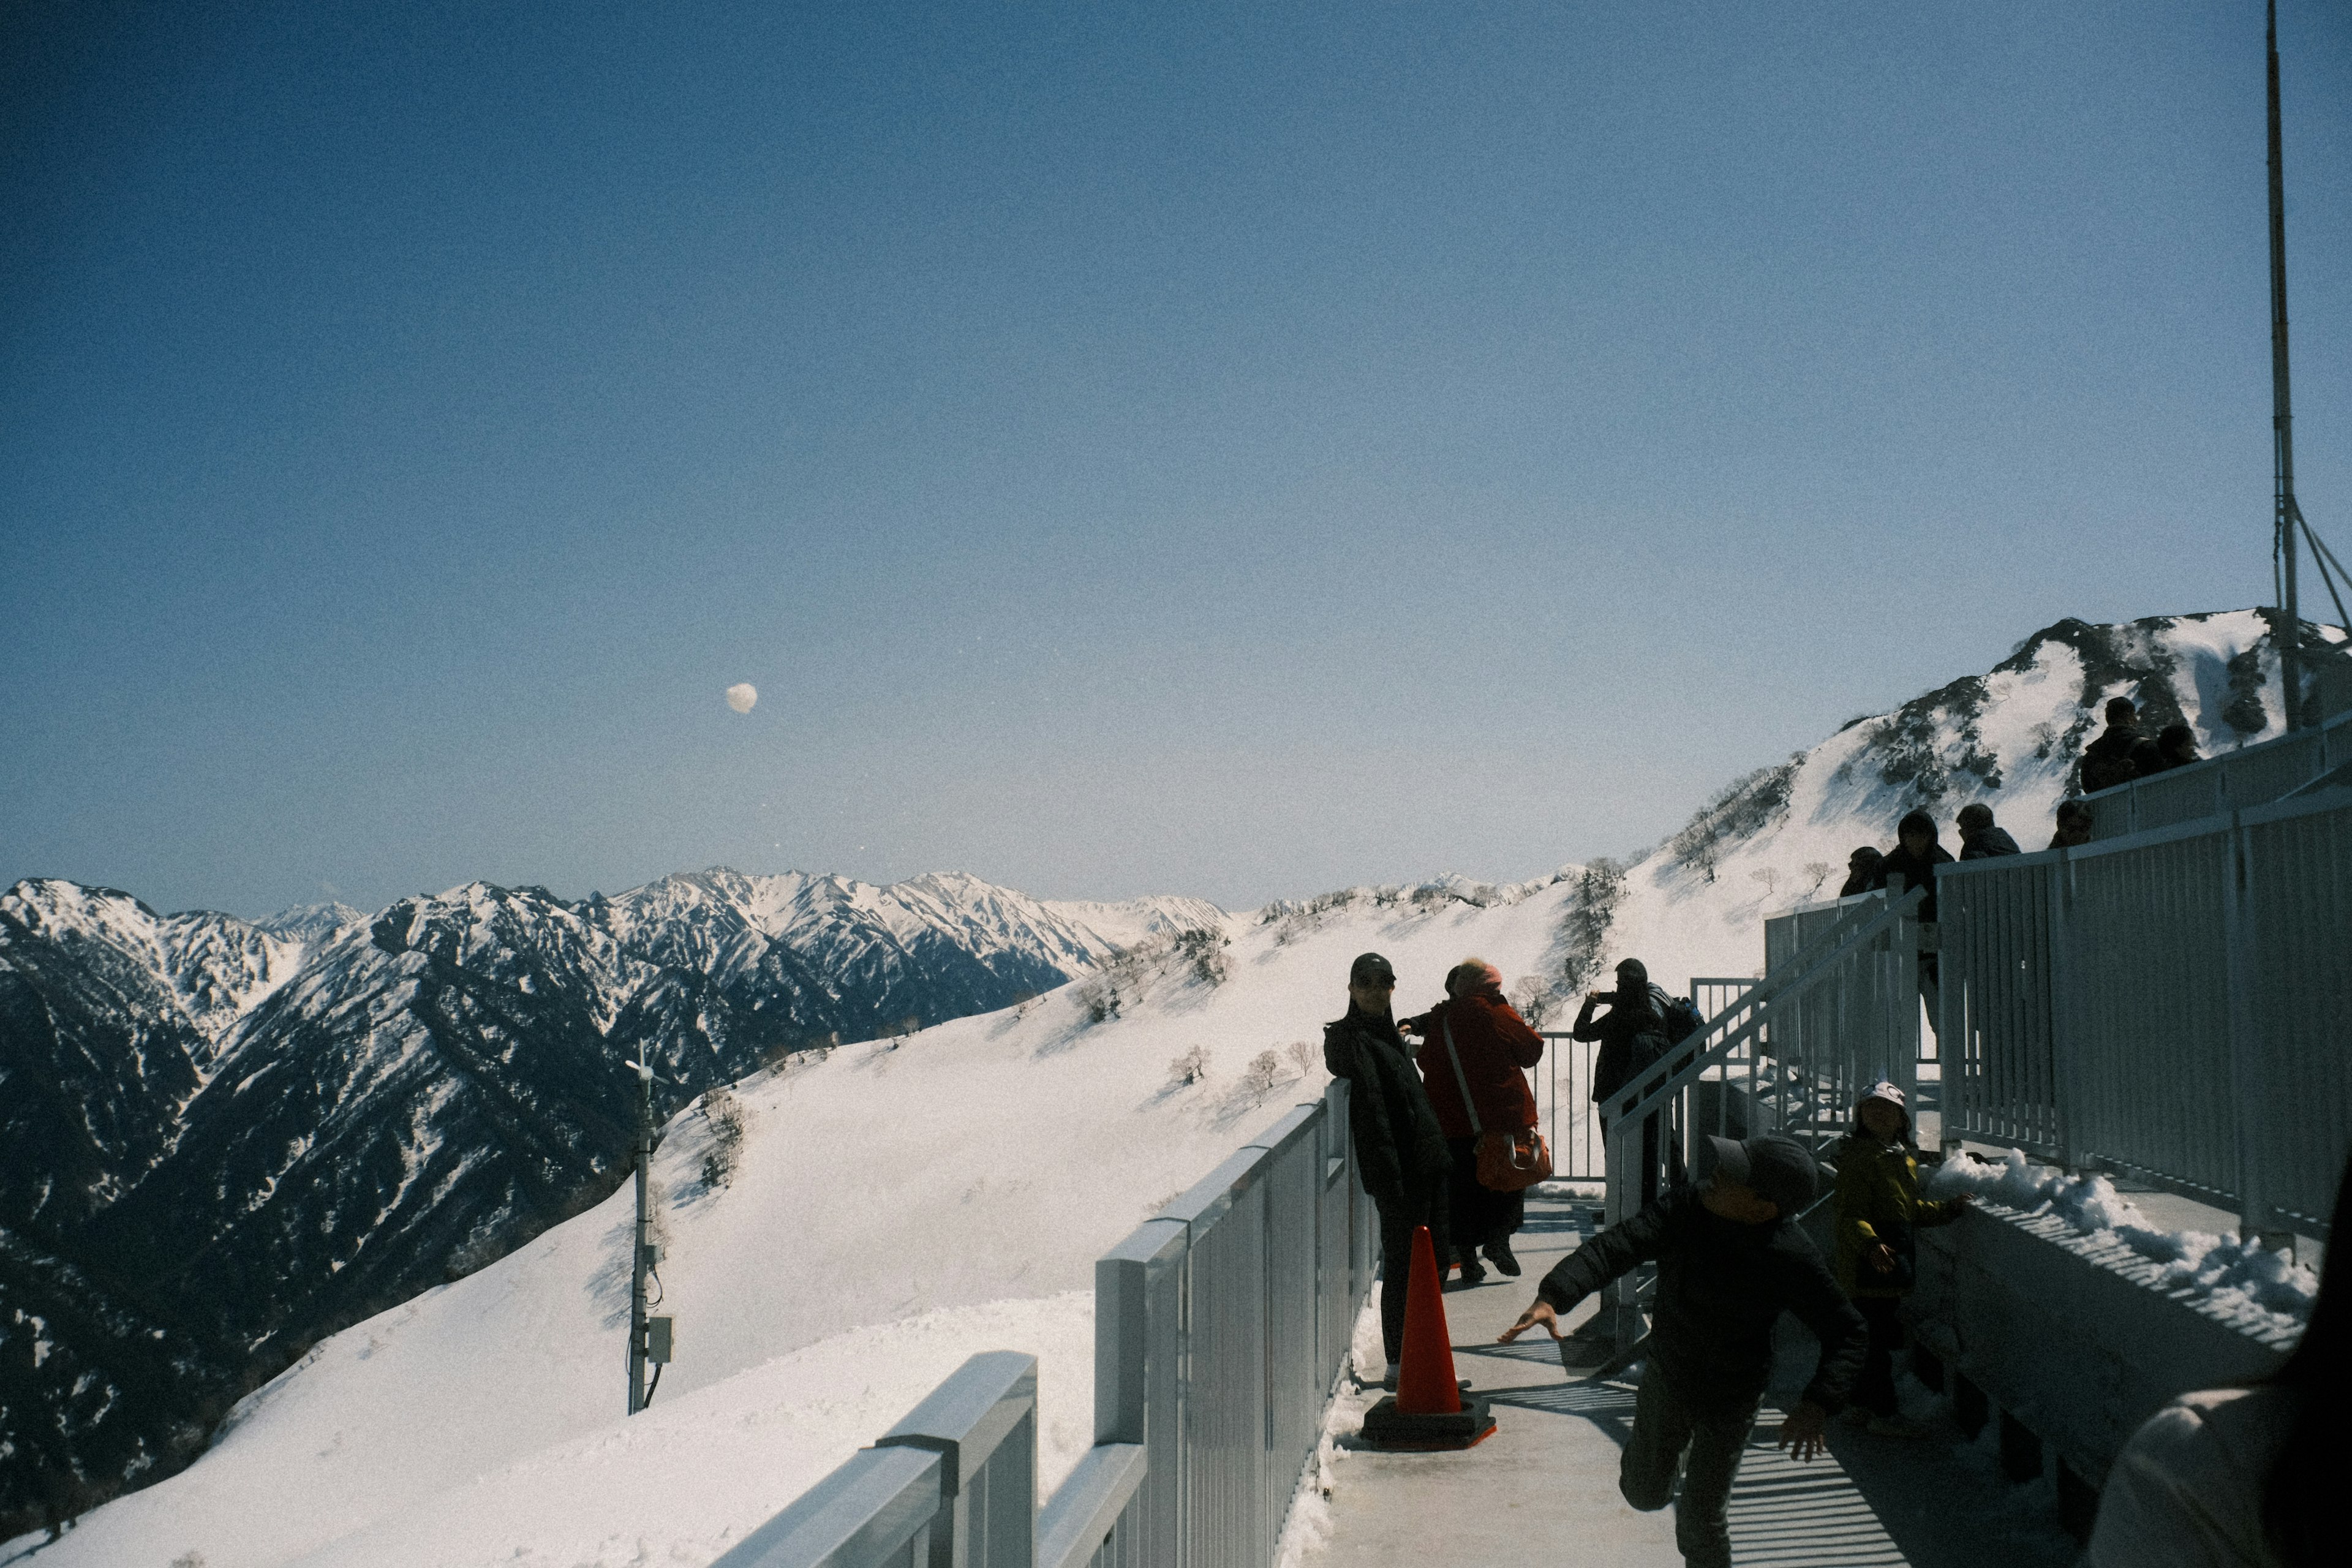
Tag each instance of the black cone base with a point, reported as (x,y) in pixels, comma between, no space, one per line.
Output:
(1386,1427)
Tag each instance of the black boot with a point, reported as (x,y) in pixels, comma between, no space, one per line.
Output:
(1498,1253)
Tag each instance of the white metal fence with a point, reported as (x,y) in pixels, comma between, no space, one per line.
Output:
(2175,1005)
(1569,1111)
(2230,782)
(1222,1326)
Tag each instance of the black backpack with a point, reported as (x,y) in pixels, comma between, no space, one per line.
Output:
(1681,1015)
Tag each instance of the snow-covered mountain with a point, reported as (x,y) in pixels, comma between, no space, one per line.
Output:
(225,1138)
(821,1291)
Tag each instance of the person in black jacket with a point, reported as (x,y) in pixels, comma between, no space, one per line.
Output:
(1632,1035)
(1400,1147)
(1914,858)
(2107,760)
(1865,872)
(2174,746)
(1981,838)
(1730,1260)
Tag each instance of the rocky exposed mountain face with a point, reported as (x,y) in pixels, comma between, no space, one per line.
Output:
(224,1139)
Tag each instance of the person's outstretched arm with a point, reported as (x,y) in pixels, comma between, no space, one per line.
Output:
(1615,1251)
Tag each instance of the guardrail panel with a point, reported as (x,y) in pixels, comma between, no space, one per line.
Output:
(2299,880)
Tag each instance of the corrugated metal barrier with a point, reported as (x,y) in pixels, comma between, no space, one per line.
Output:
(2174,1004)
(1222,1326)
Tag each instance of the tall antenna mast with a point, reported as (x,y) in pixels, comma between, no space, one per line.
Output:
(2285,515)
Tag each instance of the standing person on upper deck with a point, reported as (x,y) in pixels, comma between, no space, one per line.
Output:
(1865,872)
(1632,1035)
(2107,760)
(1730,1261)
(1400,1148)
(1494,1045)
(1914,858)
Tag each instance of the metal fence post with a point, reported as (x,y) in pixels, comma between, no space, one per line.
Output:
(2064,1073)
(2251,1105)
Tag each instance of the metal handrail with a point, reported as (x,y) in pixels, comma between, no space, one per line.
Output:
(2085,987)
(2217,785)
(1221,1328)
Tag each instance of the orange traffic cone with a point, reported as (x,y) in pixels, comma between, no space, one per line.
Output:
(1428,1410)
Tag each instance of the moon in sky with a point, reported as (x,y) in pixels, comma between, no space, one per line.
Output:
(741,695)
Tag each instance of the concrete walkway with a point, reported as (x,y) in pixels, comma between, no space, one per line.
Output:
(1543,1488)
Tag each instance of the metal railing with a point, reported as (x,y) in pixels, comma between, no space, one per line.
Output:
(1222,1326)
(1578,1151)
(2174,1004)
(2253,776)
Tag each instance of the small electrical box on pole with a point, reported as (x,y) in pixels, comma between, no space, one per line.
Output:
(657,1341)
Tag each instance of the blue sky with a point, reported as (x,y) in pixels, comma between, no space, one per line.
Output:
(1230,450)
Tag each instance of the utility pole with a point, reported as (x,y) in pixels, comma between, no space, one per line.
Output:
(641,1253)
(2286,515)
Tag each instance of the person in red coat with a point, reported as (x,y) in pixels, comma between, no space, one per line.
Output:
(1495,1045)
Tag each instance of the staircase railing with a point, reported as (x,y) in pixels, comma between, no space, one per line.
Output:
(2251,775)
(1222,1326)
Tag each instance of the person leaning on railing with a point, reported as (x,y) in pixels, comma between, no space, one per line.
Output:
(1730,1261)
(2251,1477)
(1981,839)
(2074,826)
(2107,760)
(1400,1148)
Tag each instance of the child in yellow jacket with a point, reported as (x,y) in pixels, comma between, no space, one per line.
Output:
(1878,1207)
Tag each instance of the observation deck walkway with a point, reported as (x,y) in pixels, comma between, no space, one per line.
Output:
(1543,1488)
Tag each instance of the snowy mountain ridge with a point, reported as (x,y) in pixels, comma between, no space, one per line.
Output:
(357,1108)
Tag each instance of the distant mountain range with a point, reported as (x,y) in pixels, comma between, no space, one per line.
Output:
(224,1139)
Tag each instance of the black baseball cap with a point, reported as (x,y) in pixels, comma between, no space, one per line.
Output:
(1371,966)
(1773,1167)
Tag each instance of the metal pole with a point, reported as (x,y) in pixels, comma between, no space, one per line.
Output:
(642,1242)
(2284,546)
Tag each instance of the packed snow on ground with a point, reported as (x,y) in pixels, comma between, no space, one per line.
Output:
(2239,1278)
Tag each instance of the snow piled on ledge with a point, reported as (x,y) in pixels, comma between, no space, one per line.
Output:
(2239,1278)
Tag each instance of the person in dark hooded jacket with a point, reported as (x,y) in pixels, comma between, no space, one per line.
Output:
(1981,837)
(1865,872)
(1400,1148)
(2107,760)
(1632,1035)
(1730,1261)
(1914,858)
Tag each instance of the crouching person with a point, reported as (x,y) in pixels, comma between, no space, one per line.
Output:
(1878,1208)
(1730,1262)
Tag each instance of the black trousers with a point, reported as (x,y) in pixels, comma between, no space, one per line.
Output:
(1477,1215)
(1666,1428)
(1874,1390)
(1425,1205)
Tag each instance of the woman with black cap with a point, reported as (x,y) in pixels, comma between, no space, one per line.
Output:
(1400,1147)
